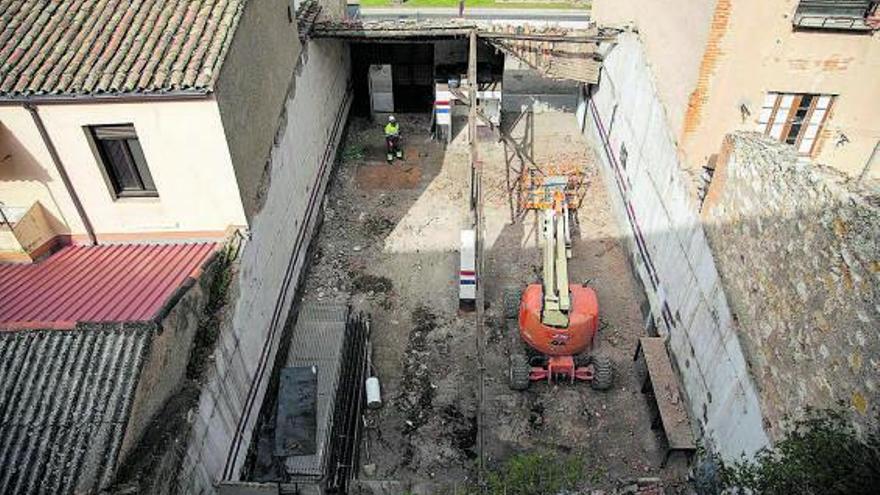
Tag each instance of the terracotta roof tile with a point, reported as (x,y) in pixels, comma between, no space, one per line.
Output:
(90,47)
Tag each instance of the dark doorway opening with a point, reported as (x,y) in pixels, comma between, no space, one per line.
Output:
(413,87)
(415,68)
(412,69)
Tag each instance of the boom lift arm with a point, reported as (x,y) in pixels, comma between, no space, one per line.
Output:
(555,319)
(557,250)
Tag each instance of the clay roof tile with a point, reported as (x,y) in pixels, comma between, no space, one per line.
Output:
(85,47)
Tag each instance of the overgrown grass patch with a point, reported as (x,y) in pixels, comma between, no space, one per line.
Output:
(353,152)
(535,473)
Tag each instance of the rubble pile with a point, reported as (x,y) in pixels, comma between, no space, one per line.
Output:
(417,391)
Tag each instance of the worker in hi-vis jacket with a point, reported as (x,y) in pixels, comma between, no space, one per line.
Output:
(392,139)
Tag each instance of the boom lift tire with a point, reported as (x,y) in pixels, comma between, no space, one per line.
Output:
(519,372)
(512,296)
(603,372)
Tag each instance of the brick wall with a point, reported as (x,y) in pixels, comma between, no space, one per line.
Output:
(798,252)
(711,56)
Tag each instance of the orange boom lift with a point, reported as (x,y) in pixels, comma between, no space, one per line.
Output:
(555,321)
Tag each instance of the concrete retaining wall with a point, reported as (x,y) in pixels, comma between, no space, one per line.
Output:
(652,199)
(271,263)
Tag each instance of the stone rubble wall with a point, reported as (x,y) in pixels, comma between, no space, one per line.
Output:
(164,372)
(653,201)
(798,250)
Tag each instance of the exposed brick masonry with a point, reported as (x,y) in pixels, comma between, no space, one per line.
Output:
(711,56)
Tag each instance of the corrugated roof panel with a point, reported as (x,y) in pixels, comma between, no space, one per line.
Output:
(126,282)
(65,400)
(88,47)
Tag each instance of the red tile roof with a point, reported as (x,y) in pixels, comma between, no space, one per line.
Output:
(127,282)
(87,47)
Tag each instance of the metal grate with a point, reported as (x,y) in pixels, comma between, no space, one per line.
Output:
(330,339)
(835,14)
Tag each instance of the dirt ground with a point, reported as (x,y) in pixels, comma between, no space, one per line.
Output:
(389,245)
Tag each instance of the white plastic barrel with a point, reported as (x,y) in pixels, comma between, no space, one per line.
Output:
(374,394)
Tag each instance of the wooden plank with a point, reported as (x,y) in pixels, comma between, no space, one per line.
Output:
(666,392)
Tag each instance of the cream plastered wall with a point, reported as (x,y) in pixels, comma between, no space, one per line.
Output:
(675,34)
(27,174)
(760,52)
(185,150)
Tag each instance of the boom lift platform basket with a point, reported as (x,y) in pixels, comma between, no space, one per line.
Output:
(538,185)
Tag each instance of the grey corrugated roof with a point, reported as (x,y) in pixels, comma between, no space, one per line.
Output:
(317,341)
(90,47)
(65,398)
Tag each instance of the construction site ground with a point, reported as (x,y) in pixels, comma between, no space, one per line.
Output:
(389,244)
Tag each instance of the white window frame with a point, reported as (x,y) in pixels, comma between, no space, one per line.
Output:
(779,115)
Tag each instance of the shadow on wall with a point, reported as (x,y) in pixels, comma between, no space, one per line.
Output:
(366,202)
(527,89)
(17,162)
(798,252)
(18,166)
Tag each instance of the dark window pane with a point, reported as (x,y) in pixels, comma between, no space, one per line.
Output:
(140,162)
(806,100)
(123,160)
(799,118)
(793,134)
(119,166)
(803,107)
